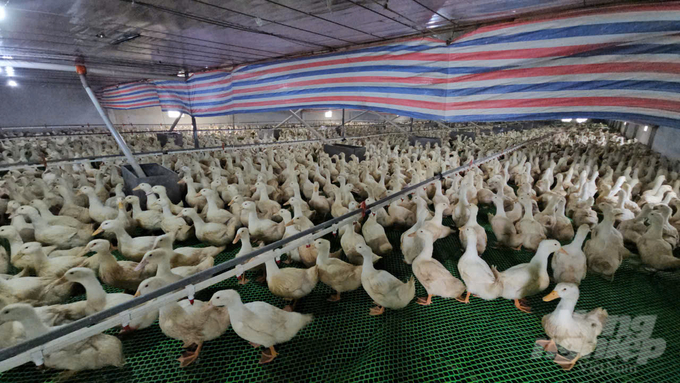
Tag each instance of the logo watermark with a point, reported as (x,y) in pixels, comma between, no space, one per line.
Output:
(625,343)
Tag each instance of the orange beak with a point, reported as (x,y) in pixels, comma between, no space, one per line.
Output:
(137,294)
(552,296)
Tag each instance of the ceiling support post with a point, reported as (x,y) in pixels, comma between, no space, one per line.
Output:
(82,71)
(309,127)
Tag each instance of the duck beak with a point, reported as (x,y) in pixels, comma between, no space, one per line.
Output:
(99,230)
(137,294)
(199,194)
(120,205)
(136,188)
(79,193)
(561,250)
(553,295)
(236,239)
(412,235)
(291,223)
(230,203)
(181,182)
(141,265)
(287,203)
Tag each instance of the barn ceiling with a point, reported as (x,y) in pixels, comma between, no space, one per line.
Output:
(164,37)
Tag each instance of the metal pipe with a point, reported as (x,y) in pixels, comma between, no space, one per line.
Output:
(116,136)
(318,230)
(69,68)
(309,127)
(174,124)
(287,119)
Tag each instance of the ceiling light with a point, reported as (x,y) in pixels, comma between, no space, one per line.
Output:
(581,120)
(259,22)
(12,83)
(646,127)
(173,114)
(329,114)
(6,57)
(101,35)
(10,71)
(566,120)
(2,13)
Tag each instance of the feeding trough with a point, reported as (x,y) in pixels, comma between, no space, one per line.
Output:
(155,175)
(413,140)
(358,151)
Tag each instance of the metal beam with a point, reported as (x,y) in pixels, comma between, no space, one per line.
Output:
(193,124)
(441,124)
(309,127)
(354,118)
(387,120)
(116,136)
(69,68)
(174,124)
(287,119)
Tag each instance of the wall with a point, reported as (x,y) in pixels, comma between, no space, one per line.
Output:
(45,104)
(667,142)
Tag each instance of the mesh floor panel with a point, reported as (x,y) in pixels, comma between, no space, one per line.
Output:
(483,341)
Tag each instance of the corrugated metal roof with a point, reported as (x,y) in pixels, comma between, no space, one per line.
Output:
(164,37)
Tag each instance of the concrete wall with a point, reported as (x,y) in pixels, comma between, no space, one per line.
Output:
(45,104)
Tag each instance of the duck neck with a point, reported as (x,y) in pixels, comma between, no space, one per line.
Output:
(528,213)
(121,235)
(565,309)
(36,325)
(438,214)
(96,296)
(471,247)
(136,208)
(578,240)
(94,201)
(198,221)
(272,269)
(246,246)
(164,267)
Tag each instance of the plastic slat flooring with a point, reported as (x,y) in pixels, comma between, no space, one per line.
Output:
(483,341)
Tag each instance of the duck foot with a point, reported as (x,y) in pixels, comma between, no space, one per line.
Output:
(466,300)
(126,330)
(242,280)
(334,298)
(565,363)
(268,357)
(261,279)
(547,345)
(522,305)
(378,310)
(254,344)
(291,306)
(425,301)
(518,248)
(189,357)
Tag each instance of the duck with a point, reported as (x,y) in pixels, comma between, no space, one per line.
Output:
(480,279)
(63,237)
(95,352)
(260,323)
(12,236)
(349,241)
(188,255)
(577,332)
(632,229)
(147,219)
(435,225)
(155,203)
(399,215)
(212,233)
(436,279)
(527,279)
(214,212)
(173,225)
(57,220)
(301,223)
(70,207)
(47,267)
(670,233)
(375,237)
(385,289)
(411,246)
(503,228)
(159,259)
(119,274)
(191,321)
(479,230)
(264,204)
(531,231)
(604,250)
(262,228)
(654,250)
(33,290)
(25,229)
(194,200)
(290,283)
(97,210)
(131,248)
(569,263)
(562,229)
(320,204)
(97,300)
(337,274)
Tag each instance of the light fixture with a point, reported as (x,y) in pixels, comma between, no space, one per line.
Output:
(12,83)
(9,70)
(101,35)
(566,120)
(581,120)
(329,114)
(7,57)
(625,123)
(646,127)
(2,13)
(173,113)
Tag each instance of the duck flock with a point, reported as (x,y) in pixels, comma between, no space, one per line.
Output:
(585,187)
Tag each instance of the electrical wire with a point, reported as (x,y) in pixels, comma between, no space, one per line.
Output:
(385,16)
(435,12)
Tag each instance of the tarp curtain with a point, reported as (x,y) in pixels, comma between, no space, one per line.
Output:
(615,63)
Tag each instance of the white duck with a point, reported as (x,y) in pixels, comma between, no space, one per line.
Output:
(436,279)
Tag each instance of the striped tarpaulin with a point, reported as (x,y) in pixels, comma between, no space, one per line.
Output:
(129,96)
(616,63)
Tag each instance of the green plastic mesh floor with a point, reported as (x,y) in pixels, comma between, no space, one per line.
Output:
(483,341)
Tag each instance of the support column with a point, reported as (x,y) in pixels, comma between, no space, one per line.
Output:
(193,123)
(82,71)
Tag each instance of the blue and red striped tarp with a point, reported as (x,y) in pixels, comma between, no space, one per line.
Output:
(616,63)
